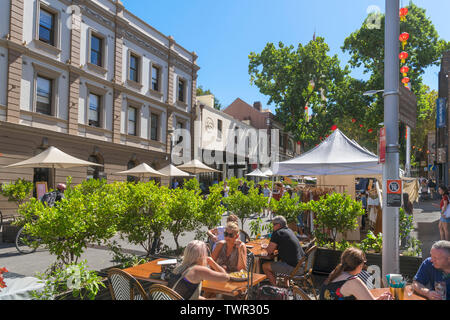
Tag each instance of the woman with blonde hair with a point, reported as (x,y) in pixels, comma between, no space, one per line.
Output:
(344,284)
(231,253)
(188,277)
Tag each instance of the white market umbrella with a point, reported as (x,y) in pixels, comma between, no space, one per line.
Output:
(256,173)
(172,171)
(268,173)
(196,166)
(53,158)
(142,170)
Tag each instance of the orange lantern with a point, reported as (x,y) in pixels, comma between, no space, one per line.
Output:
(370,130)
(353,120)
(334,127)
(403,14)
(404,70)
(404,39)
(405,81)
(403,56)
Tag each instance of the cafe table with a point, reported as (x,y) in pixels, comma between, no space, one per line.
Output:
(230,288)
(19,287)
(379,291)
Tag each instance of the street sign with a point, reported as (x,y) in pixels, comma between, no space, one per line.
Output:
(394,193)
(441,113)
(382,151)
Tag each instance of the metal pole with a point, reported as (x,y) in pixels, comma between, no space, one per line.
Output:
(408,152)
(390,253)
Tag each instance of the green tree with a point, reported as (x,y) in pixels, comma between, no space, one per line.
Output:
(17,191)
(288,207)
(77,220)
(336,213)
(146,215)
(184,212)
(366,49)
(298,78)
(202,92)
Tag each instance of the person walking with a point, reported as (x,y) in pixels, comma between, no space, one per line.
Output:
(444,222)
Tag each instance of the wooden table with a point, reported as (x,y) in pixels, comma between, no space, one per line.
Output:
(229,288)
(378,292)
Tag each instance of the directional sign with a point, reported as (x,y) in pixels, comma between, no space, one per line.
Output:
(394,193)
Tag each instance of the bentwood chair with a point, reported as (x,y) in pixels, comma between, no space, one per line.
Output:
(124,286)
(299,294)
(250,263)
(161,292)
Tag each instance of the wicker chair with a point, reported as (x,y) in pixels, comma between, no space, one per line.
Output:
(305,279)
(161,292)
(124,286)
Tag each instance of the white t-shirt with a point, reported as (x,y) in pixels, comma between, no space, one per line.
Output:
(373,202)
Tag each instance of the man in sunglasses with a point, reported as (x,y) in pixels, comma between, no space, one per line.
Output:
(289,250)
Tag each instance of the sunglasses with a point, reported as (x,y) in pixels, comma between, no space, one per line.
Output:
(228,235)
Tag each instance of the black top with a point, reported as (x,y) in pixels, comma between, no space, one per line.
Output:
(184,288)
(289,248)
(332,291)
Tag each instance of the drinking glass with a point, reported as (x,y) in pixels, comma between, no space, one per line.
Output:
(441,288)
(409,289)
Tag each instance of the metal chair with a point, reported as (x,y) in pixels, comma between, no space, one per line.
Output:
(250,263)
(124,286)
(244,236)
(161,292)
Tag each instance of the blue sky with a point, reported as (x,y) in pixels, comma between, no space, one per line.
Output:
(223,33)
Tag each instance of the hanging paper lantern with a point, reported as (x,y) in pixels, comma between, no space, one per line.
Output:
(403,56)
(405,81)
(306,108)
(404,70)
(353,120)
(334,127)
(370,130)
(404,39)
(361,126)
(403,14)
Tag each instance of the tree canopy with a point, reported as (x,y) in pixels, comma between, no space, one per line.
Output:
(202,92)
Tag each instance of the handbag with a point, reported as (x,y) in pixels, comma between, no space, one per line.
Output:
(268,292)
(447,212)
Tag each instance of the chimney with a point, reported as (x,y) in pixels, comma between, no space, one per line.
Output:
(257,105)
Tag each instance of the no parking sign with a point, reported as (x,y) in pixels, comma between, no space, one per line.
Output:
(394,193)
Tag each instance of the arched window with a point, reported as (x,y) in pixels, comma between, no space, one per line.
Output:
(95,172)
(131,164)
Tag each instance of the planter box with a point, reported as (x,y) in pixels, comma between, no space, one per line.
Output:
(9,232)
(327,259)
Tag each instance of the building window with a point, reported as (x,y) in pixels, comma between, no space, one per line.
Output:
(44,95)
(155,78)
(95,172)
(94,110)
(132,121)
(181,85)
(219,129)
(132,164)
(96,50)
(281,140)
(180,137)
(47,27)
(154,127)
(134,68)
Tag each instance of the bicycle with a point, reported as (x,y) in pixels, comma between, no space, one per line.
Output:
(25,243)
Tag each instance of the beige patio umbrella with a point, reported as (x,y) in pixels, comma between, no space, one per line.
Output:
(53,158)
(141,171)
(196,166)
(172,171)
(256,173)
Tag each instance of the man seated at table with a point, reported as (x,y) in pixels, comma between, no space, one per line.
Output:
(289,250)
(434,269)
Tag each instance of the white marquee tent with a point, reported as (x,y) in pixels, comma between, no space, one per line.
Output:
(337,155)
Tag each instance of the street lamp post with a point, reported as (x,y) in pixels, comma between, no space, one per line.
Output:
(390,252)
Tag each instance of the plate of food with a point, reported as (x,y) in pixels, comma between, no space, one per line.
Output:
(249,246)
(239,276)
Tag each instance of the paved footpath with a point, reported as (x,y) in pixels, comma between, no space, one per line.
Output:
(425,217)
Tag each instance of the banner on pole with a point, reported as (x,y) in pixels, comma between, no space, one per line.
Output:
(382,151)
(441,113)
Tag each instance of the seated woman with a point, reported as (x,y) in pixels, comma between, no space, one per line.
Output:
(188,277)
(344,283)
(217,234)
(231,253)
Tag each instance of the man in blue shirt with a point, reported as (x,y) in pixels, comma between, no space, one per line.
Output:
(434,269)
